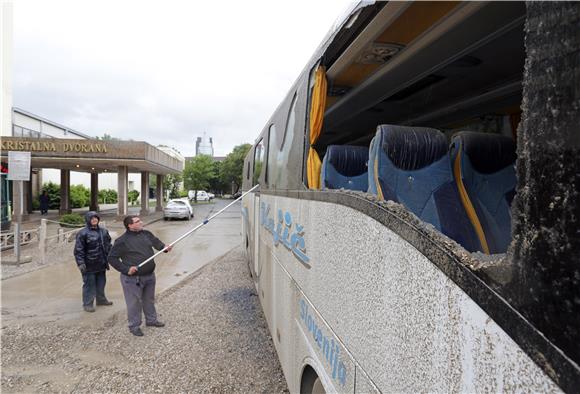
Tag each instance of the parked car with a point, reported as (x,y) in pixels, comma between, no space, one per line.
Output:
(201,195)
(178,209)
(211,195)
(237,195)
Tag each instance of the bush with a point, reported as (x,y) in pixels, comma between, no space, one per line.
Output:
(182,193)
(79,196)
(108,196)
(72,220)
(53,191)
(133,195)
(35,204)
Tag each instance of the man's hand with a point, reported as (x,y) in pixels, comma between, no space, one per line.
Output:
(168,248)
(82,268)
(133,270)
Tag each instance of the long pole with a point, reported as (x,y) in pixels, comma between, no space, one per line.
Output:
(206,221)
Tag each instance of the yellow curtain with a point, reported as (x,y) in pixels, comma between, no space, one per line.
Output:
(316,116)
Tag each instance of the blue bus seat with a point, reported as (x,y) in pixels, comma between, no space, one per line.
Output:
(483,168)
(410,165)
(345,166)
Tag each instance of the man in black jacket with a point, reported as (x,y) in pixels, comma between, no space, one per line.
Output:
(92,247)
(130,250)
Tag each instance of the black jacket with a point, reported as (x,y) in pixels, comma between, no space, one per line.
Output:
(92,246)
(132,248)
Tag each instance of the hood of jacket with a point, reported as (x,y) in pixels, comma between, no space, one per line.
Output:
(89,215)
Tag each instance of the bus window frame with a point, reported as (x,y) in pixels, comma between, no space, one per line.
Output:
(261,152)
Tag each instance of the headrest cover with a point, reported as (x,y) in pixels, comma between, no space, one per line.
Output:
(348,160)
(412,148)
(488,153)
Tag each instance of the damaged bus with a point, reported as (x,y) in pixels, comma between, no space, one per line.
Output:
(417,224)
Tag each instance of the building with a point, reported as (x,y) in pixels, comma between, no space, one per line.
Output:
(66,156)
(204,146)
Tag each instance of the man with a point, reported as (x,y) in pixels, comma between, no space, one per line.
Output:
(130,250)
(92,247)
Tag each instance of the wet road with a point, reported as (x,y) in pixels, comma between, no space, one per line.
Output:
(54,293)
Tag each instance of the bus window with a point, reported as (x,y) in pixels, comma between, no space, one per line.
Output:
(282,156)
(259,154)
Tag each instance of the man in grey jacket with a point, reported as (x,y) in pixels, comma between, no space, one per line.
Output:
(131,249)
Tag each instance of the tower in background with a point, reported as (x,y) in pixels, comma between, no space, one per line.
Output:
(204,146)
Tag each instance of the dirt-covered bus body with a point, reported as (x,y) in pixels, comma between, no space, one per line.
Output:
(359,293)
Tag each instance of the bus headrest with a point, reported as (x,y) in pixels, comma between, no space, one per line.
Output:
(348,160)
(412,148)
(488,153)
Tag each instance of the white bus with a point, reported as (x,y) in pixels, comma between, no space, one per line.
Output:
(417,224)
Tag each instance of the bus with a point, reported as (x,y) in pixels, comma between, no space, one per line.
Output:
(417,222)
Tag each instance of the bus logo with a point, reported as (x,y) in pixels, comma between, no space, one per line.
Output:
(283,232)
(326,344)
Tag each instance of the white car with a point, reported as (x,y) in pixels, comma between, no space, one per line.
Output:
(201,195)
(178,209)
(211,195)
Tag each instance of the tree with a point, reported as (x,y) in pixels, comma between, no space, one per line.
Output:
(133,195)
(53,191)
(108,196)
(233,166)
(79,196)
(198,173)
(217,185)
(108,137)
(171,183)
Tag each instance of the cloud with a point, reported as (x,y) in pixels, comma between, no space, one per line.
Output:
(164,72)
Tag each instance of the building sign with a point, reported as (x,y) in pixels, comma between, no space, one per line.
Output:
(19,164)
(48,146)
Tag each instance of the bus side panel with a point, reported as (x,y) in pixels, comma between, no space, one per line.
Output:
(394,309)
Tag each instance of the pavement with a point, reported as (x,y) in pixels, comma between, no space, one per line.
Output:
(53,293)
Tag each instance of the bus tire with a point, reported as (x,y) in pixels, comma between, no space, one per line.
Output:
(311,383)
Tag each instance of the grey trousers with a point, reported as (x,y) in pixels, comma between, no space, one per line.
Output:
(140,297)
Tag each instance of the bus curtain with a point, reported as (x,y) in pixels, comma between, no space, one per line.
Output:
(316,117)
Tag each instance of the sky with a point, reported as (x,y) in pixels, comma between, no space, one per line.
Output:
(164,72)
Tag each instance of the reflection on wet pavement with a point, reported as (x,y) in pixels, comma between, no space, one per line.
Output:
(54,293)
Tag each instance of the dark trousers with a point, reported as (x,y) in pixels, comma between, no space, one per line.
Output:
(94,286)
(139,294)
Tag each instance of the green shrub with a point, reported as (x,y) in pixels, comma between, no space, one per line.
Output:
(35,204)
(72,220)
(133,195)
(79,196)
(108,196)
(53,191)
(182,193)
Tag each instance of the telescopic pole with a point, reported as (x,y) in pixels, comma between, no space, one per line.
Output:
(206,221)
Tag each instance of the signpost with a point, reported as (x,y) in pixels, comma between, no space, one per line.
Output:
(19,164)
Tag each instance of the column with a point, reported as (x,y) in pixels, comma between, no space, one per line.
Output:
(94,204)
(122,185)
(159,193)
(64,192)
(144,193)
(19,212)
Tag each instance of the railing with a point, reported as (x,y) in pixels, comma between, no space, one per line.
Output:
(56,238)
(26,237)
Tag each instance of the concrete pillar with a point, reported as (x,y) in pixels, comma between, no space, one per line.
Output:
(144,193)
(20,212)
(94,204)
(159,193)
(36,184)
(64,192)
(28,196)
(122,185)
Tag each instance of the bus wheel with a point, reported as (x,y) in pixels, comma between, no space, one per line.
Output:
(311,383)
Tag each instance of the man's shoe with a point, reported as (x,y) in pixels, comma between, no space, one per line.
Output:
(137,332)
(156,324)
(89,308)
(106,302)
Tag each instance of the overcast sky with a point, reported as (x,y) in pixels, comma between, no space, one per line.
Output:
(164,71)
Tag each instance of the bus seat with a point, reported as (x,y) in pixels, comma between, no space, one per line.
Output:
(345,166)
(483,168)
(410,165)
